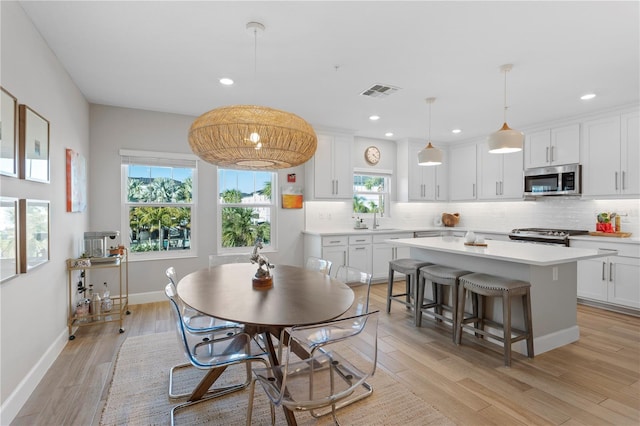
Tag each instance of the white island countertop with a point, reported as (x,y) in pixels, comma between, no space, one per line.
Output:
(509,251)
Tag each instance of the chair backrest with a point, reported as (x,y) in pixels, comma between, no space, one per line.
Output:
(350,348)
(360,282)
(205,349)
(171,274)
(316,264)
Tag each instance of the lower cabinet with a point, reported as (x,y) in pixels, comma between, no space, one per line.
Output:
(334,249)
(384,252)
(360,252)
(611,280)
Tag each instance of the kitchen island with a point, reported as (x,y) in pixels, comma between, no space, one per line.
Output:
(551,270)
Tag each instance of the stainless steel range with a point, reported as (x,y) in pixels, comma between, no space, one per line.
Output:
(545,235)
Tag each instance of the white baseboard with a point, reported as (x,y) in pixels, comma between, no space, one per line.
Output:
(14,403)
(150,297)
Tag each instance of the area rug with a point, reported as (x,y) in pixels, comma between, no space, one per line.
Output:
(138,394)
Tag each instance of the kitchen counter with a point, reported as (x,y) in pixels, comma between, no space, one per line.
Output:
(392,230)
(551,270)
(633,239)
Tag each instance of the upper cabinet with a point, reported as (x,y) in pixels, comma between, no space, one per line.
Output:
(331,176)
(610,152)
(500,175)
(550,147)
(462,173)
(420,183)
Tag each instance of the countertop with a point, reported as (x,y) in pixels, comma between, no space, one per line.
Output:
(509,251)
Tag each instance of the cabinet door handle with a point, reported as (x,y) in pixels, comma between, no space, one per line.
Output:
(610,271)
(497,186)
(360,248)
(624,184)
(616,181)
(547,155)
(337,186)
(552,154)
(603,266)
(474,190)
(438,191)
(501,187)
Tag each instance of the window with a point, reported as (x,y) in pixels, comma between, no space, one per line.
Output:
(246,209)
(370,193)
(158,206)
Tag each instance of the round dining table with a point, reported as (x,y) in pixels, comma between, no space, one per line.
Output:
(297,297)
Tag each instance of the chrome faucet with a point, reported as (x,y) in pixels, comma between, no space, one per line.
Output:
(375,220)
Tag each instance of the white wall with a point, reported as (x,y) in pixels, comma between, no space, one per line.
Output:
(114,128)
(33,314)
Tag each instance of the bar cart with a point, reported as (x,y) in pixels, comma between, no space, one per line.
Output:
(120,306)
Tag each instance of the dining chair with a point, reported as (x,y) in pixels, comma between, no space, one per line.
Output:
(360,283)
(210,351)
(316,264)
(328,377)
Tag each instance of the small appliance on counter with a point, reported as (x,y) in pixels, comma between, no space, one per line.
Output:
(96,244)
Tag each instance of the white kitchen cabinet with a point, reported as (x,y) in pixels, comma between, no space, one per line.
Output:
(499,175)
(384,252)
(334,249)
(611,280)
(462,173)
(360,252)
(332,176)
(610,155)
(426,183)
(556,146)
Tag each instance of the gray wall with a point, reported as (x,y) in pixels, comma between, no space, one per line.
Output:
(33,312)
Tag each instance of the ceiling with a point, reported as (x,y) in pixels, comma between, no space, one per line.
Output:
(315,58)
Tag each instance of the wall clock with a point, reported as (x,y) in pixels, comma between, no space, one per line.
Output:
(372,155)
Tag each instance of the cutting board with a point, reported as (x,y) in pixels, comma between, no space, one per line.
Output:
(610,234)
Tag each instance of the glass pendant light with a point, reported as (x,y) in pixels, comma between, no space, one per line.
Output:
(506,139)
(430,155)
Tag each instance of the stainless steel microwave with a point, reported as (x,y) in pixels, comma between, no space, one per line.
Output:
(555,180)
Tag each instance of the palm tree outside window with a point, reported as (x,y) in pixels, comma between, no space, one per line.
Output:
(370,193)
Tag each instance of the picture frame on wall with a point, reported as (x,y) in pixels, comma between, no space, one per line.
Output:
(76,181)
(8,133)
(9,267)
(34,230)
(34,145)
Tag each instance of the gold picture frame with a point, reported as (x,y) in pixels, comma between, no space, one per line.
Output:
(8,133)
(34,145)
(34,233)
(9,266)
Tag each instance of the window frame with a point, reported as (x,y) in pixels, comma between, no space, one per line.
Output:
(387,175)
(273,205)
(158,159)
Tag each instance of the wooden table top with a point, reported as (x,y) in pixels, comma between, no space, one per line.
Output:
(298,296)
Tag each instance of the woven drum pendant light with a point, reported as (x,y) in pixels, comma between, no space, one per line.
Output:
(430,155)
(506,139)
(252,137)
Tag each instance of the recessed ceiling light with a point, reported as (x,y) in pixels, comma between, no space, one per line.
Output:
(456,131)
(388,134)
(226,81)
(588,96)
(374,117)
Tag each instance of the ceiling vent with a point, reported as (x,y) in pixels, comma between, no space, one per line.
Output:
(380,91)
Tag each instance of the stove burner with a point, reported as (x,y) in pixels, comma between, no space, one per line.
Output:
(545,235)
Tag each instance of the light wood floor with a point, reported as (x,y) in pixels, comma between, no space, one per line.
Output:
(595,381)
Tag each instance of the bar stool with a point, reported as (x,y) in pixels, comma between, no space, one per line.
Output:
(485,285)
(409,267)
(439,276)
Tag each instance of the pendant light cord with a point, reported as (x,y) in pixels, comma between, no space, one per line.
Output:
(430,122)
(505,95)
(255,50)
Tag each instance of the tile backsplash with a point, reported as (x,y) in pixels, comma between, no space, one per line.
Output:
(551,212)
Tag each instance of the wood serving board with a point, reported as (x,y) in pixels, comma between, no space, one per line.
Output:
(476,244)
(610,234)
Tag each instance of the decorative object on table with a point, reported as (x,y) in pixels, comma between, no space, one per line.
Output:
(115,251)
(263,278)
(9,247)
(505,140)
(471,239)
(34,145)
(76,181)
(292,197)
(82,262)
(8,139)
(251,136)
(450,219)
(34,233)
(430,155)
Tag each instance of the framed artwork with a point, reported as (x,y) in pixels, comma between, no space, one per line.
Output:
(76,182)
(34,233)
(292,197)
(34,145)
(8,139)
(9,238)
